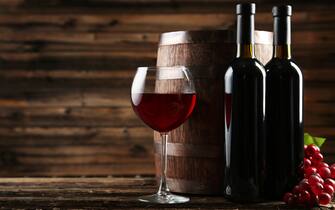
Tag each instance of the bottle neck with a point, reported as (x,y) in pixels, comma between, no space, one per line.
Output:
(282,37)
(245,51)
(282,51)
(245,36)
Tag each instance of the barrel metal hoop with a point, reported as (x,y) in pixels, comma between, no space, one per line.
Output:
(191,150)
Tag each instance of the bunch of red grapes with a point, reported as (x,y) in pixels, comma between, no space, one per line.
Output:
(318,185)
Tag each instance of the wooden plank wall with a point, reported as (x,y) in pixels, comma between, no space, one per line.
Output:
(66,68)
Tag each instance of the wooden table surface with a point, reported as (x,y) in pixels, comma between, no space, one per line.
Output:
(100,193)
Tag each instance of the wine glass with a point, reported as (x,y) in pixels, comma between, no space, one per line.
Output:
(164,98)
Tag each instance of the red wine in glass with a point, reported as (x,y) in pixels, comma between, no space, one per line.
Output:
(164,98)
(163,112)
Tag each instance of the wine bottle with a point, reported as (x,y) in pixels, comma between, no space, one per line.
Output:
(244,115)
(284,110)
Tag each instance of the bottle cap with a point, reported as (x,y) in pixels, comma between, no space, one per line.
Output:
(246,9)
(284,10)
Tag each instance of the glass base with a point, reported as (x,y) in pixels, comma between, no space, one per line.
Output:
(168,198)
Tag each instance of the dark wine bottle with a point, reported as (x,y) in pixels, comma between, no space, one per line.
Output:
(244,115)
(284,110)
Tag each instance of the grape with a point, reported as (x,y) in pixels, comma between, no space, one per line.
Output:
(287,196)
(311,150)
(307,163)
(322,164)
(304,185)
(322,181)
(310,171)
(328,189)
(324,198)
(314,179)
(296,190)
(324,172)
(317,158)
(304,197)
(330,182)
(317,188)
(320,178)
(318,184)
(332,171)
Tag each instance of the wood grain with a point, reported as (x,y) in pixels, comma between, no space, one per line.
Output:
(75,151)
(66,67)
(104,193)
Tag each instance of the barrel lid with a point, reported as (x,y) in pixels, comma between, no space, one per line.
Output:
(209,36)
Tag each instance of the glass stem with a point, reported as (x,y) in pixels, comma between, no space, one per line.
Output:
(163,188)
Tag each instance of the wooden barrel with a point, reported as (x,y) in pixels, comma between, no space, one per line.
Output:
(196,149)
